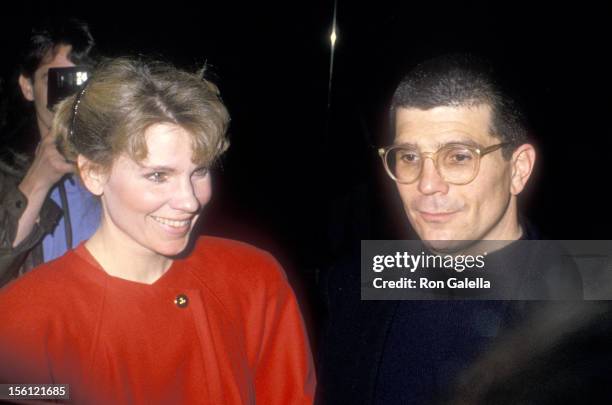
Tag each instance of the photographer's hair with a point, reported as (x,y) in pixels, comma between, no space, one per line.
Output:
(46,39)
(124,97)
(461,80)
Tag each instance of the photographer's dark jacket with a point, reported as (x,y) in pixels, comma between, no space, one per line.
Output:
(28,254)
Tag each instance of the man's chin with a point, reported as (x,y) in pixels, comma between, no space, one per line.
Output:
(444,241)
(447,245)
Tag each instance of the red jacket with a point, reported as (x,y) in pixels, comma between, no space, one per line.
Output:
(221,327)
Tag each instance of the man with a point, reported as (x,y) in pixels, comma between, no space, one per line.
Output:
(34,227)
(460,158)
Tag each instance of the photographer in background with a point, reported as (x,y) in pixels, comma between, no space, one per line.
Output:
(44,210)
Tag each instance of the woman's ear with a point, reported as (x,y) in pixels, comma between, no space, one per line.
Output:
(93,175)
(523,161)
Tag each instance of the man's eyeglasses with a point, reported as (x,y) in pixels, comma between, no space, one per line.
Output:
(456,163)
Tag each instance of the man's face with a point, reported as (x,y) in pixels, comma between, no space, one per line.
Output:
(35,89)
(439,211)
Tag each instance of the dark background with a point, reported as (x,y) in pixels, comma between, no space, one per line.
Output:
(301,179)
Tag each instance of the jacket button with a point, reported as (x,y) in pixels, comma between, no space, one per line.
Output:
(181,301)
(19,204)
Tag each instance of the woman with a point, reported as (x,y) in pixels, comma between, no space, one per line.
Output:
(136,315)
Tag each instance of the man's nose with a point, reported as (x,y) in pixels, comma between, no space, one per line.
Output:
(430,181)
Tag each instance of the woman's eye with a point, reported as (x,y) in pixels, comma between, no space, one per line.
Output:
(201,172)
(157,177)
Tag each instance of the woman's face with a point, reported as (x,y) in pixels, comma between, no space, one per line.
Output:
(153,205)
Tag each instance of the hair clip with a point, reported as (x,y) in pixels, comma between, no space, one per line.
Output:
(75,107)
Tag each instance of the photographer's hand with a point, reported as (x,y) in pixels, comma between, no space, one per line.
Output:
(47,168)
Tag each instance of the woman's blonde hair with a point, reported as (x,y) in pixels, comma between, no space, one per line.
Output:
(124,97)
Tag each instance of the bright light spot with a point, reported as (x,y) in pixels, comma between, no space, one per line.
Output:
(81,77)
(333,37)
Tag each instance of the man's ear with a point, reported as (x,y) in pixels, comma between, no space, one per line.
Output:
(93,175)
(523,161)
(27,88)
